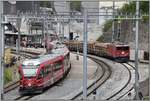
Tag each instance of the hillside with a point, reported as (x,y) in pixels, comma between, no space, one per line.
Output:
(127,33)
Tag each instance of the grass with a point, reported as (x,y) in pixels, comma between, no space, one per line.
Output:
(7,76)
(146,98)
(10,74)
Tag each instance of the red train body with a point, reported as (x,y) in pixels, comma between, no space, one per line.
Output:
(43,71)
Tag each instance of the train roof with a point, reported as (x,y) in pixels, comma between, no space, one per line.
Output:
(115,44)
(101,44)
(123,45)
(40,59)
(61,50)
(119,44)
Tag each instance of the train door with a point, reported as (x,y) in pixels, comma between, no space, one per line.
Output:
(66,62)
(47,74)
(110,50)
(52,76)
(58,70)
(40,77)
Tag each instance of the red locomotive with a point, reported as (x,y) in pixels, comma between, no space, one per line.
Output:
(43,71)
(118,51)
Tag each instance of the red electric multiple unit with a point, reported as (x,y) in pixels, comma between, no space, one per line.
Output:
(43,71)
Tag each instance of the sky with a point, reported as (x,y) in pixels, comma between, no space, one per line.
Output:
(118,4)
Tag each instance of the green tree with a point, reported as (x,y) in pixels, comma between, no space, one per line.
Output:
(131,7)
(75,6)
(46,4)
(107,25)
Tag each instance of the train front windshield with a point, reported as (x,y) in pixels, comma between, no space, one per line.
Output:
(29,70)
(123,48)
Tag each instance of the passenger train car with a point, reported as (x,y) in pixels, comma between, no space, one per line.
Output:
(40,72)
(117,51)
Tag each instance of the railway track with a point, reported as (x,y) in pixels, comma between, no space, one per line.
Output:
(129,68)
(27,97)
(92,88)
(99,81)
(11,86)
(14,85)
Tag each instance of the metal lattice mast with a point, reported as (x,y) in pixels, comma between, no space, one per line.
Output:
(1,51)
(149,49)
(19,34)
(85,56)
(113,24)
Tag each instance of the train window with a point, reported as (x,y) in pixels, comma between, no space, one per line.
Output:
(47,69)
(29,72)
(41,75)
(58,65)
(30,66)
(122,48)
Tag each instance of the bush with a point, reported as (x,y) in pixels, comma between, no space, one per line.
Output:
(7,76)
(101,38)
(146,98)
(107,25)
(75,6)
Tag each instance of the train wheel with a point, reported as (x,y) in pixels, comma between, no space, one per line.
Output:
(41,90)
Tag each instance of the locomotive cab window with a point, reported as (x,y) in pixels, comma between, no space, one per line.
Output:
(122,48)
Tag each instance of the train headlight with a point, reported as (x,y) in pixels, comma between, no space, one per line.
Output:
(122,52)
(29,84)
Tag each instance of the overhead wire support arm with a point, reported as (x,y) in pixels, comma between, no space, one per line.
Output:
(80,17)
(86,0)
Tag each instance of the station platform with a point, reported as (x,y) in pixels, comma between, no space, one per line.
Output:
(77,70)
